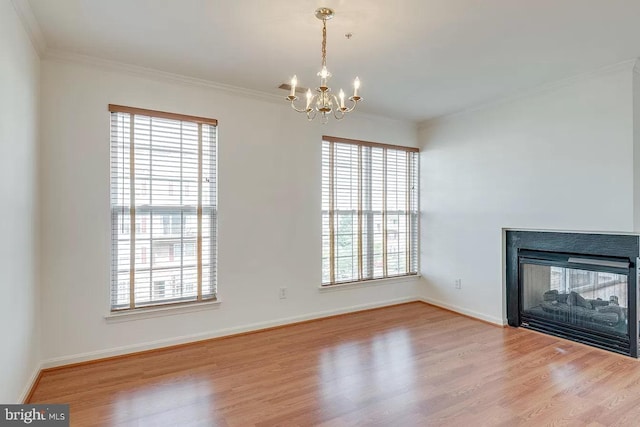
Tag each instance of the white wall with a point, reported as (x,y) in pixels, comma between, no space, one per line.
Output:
(636,145)
(561,158)
(19,86)
(269,221)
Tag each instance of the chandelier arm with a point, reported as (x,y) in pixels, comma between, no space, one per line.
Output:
(345,109)
(353,107)
(293,105)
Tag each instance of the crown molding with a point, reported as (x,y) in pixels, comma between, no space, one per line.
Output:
(164,76)
(30,24)
(33,29)
(631,65)
(151,73)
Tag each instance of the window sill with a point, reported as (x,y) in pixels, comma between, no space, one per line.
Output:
(169,310)
(367,283)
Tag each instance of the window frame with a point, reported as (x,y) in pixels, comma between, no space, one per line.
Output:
(414,215)
(206,227)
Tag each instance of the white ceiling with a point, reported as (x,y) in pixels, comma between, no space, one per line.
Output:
(417,59)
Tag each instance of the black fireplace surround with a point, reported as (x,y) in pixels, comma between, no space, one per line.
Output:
(578,286)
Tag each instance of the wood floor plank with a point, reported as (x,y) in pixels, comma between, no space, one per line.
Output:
(406,365)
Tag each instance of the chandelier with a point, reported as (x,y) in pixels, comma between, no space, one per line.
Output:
(323,101)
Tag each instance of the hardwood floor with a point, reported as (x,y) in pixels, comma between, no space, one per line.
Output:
(406,365)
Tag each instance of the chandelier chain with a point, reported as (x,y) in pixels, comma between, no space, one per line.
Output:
(324,42)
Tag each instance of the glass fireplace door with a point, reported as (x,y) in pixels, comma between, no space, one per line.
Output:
(583,293)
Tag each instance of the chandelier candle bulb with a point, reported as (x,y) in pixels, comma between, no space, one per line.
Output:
(341,99)
(309,96)
(356,86)
(294,82)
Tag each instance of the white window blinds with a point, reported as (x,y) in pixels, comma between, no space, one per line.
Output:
(163,208)
(369,210)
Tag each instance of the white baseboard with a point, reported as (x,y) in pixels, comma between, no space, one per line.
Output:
(466,312)
(118,351)
(30,384)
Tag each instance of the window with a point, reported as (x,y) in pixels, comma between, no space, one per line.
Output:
(369,211)
(155,158)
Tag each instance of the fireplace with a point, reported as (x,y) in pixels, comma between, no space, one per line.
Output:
(577,286)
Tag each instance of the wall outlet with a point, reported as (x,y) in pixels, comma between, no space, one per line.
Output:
(282,293)
(458,283)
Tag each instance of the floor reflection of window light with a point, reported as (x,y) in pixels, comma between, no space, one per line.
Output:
(346,369)
(173,403)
